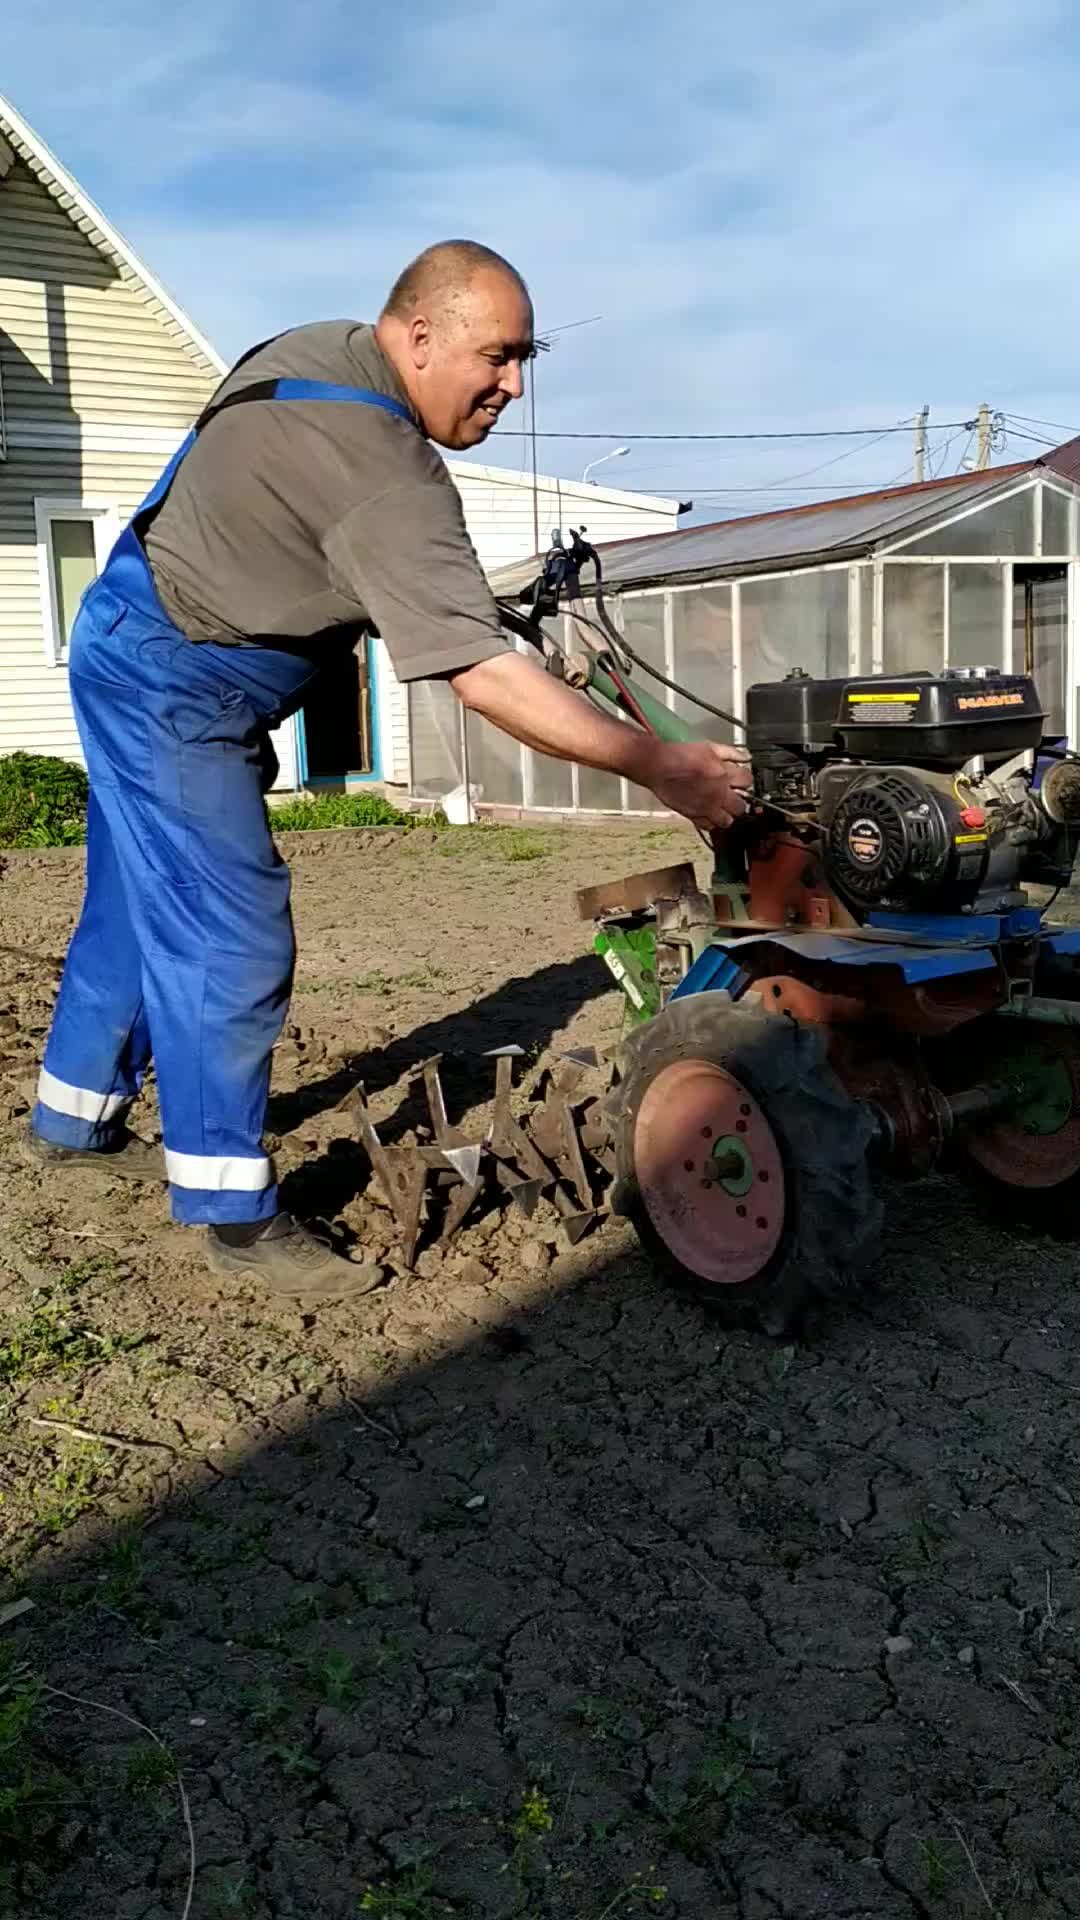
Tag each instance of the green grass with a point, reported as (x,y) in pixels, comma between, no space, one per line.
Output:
(30,1793)
(335,1677)
(71,1488)
(53,1335)
(309,813)
(691,1810)
(149,1771)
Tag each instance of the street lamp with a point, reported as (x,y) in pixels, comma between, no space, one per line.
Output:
(615,454)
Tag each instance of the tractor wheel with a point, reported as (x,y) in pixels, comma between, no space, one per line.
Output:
(1027,1163)
(741,1161)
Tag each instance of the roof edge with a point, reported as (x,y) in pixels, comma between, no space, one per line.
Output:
(60,183)
(574,489)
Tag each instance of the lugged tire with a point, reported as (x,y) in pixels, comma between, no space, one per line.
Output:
(832,1216)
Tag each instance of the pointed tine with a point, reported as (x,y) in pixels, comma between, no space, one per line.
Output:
(464,1160)
(577,1225)
(525,1196)
(513,1052)
(583,1056)
(435,1097)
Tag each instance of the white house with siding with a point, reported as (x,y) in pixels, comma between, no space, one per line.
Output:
(101,375)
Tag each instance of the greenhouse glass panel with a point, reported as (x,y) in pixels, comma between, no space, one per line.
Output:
(1040,635)
(598,792)
(913,619)
(865,662)
(701,646)
(548,782)
(1055,518)
(1007,528)
(797,622)
(975,616)
(435,739)
(641,619)
(494,763)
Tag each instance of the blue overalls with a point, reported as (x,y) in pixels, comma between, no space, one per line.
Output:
(184,951)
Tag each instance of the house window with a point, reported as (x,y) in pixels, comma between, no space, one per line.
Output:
(73,541)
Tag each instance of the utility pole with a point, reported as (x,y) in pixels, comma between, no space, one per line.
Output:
(982,444)
(921,419)
(532,437)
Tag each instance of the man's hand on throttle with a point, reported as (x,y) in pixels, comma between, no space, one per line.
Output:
(708,783)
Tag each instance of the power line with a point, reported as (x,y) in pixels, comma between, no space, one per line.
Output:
(815,433)
(1033,420)
(1037,439)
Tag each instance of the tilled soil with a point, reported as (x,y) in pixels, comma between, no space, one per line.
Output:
(518,1587)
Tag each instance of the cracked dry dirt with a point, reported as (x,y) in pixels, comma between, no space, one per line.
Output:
(518,1588)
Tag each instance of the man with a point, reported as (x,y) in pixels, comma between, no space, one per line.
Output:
(307,505)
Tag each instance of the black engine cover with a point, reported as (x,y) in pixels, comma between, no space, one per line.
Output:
(896,839)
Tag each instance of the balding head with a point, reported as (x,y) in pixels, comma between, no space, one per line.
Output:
(438,278)
(458,327)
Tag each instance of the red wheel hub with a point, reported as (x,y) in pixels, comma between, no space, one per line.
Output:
(709,1170)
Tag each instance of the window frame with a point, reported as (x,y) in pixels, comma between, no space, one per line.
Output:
(104,517)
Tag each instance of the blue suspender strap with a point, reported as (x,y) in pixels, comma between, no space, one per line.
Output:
(325,390)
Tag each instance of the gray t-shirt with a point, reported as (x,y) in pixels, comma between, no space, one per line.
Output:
(294,522)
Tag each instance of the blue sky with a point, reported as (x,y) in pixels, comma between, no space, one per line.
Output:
(790,214)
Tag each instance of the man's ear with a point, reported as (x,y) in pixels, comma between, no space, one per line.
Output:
(420,342)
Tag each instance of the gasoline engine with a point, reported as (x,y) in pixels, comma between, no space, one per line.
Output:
(931,793)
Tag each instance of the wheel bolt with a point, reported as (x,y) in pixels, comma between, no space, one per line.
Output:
(740,1126)
(763,1176)
(689,1165)
(762,1222)
(706,1133)
(745,1111)
(741,1211)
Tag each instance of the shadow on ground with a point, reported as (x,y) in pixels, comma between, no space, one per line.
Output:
(524,1011)
(503,1606)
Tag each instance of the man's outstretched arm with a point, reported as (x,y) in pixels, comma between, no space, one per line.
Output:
(703,780)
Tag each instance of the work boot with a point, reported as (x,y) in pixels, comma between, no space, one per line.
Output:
(126,1157)
(292,1262)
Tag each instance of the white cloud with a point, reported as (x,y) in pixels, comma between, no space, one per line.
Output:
(788,214)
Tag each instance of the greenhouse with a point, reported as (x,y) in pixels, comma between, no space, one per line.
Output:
(978,569)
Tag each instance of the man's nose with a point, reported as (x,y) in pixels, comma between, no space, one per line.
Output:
(512,382)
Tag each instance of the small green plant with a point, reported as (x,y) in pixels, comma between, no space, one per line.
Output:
(409,1895)
(54,1336)
(334,1675)
(721,1785)
(42,801)
(373,981)
(518,848)
(231,1894)
(294,1759)
(533,1816)
(305,1605)
(125,1572)
(149,1771)
(937,1871)
(71,1487)
(309,813)
(263,1703)
(599,1716)
(30,1795)
(928,1527)
(429,976)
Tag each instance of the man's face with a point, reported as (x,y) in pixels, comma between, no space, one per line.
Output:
(468,360)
